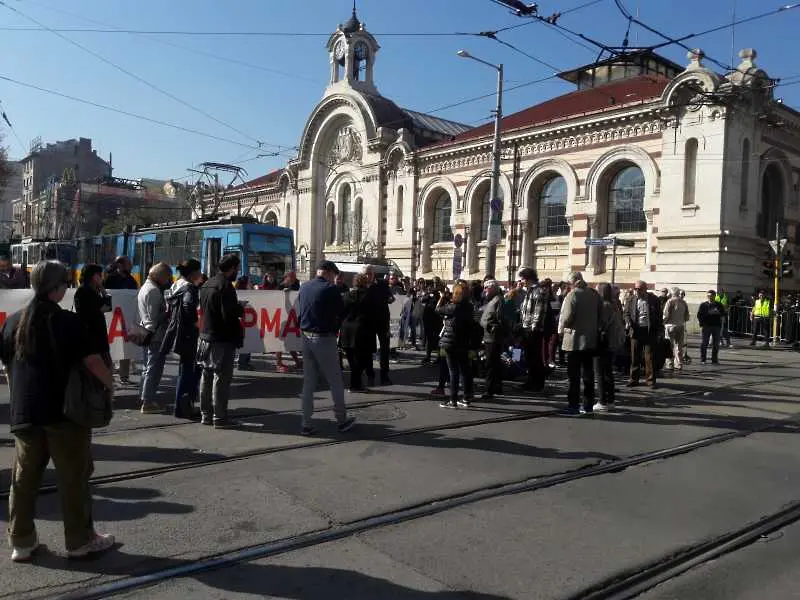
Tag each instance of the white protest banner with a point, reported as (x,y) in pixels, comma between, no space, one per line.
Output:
(270,319)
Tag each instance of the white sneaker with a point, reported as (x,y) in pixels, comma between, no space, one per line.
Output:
(19,554)
(600,407)
(100,543)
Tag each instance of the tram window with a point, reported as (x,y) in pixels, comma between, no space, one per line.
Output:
(194,240)
(161,248)
(261,263)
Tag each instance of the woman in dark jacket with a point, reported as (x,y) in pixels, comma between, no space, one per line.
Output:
(457,313)
(91,304)
(357,336)
(183,299)
(39,345)
(431,320)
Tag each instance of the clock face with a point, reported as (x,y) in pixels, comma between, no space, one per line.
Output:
(338,50)
(361,51)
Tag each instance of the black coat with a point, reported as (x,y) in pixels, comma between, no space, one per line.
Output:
(459,323)
(182,332)
(221,312)
(89,308)
(358,326)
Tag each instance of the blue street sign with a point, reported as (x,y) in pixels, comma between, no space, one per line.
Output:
(599,241)
(496,205)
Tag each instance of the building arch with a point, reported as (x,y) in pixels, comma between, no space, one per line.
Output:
(477,182)
(607,167)
(270,217)
(544,170)
(435,223)
(773,189)
(690,171)
(426,193)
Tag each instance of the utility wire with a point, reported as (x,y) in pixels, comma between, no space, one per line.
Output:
(127,113)
(728,25)
(235,61)
(137,77)
(11,127)
(184,32)
(671,40)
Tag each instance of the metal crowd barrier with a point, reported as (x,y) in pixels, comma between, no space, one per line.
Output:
(739,323)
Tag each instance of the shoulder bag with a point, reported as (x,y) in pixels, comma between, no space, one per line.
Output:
(86,401)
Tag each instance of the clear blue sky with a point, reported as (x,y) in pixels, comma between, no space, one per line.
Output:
(271,99)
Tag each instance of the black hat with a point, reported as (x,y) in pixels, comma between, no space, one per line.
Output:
(327,265)
(528,274)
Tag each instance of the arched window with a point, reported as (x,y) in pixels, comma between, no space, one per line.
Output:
(441,220)
(347,214)
(398,218)
(553,208)
(690,172)
(486,215)
(271,219)
(772,193)
(358,220)
(745,174)
(626,201)
(330,224)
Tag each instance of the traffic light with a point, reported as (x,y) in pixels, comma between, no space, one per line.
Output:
(786,265)
(769,268)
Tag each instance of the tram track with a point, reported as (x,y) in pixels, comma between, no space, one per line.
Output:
(625,586)
(266,451)
(635,582)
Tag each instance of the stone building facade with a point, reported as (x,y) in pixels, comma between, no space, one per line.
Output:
(693,166)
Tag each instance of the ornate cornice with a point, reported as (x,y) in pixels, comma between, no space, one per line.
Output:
(542,143)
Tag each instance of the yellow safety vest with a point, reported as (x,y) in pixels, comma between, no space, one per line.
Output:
(761,308)
(722,300)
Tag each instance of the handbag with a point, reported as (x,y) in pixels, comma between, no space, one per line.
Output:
(139,335)
(86,401)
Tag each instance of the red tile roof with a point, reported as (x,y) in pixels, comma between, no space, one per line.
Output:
(271,177)
(575,104)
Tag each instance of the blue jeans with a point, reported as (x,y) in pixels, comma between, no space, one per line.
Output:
(711,333)
(321,357)
(151,372)
(188,384)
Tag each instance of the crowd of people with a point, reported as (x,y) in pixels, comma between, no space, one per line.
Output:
(472,328)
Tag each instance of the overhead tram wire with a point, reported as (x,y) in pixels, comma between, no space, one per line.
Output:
(757,17)
(129,114)
(235,61)
(12,128)
(137,77)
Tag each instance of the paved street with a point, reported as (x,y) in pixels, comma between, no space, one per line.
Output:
(505,500)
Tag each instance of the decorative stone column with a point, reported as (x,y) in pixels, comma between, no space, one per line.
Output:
(595,263)
(526,244)
(648,258)
(468,251)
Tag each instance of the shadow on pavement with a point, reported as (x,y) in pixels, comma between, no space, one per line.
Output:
(281,581)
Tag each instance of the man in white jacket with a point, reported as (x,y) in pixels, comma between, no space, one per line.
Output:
(676,315)
(153,317)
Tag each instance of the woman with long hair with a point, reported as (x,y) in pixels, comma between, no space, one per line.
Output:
(611,340)
(183,299)
(456,311)
(91,303)
(357,336)
(39,346)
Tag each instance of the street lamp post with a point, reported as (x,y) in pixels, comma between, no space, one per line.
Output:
(495,208)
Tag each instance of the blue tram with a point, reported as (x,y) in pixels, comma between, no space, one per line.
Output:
(262,248)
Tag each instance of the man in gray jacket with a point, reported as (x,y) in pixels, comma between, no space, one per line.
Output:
(153,317)
(579,323)
(532,317)
(494,335)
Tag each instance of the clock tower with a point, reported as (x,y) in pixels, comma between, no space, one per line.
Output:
(352,51)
